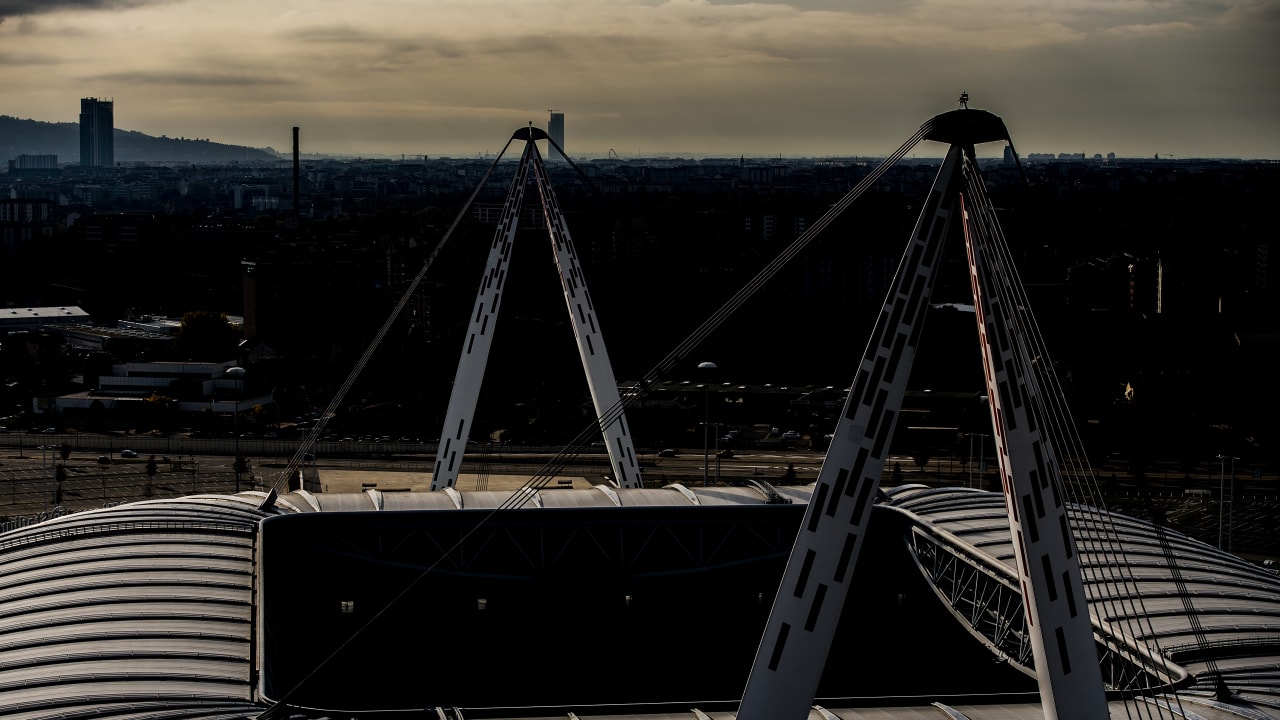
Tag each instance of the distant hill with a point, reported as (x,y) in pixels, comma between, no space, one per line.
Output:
(35,137)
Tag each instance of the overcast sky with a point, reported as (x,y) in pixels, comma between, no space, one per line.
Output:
(1187,78)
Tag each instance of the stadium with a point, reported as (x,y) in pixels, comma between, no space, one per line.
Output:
(840,599)
(599,603)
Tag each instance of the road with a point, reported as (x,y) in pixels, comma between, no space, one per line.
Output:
(28,487)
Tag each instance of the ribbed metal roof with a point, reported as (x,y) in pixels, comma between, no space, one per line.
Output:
(147,610)
(138,611)
(1184,600)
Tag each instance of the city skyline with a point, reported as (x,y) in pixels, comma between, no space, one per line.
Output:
(639,77)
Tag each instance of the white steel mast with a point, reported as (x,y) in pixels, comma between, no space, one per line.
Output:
(586,330)
(479,338)
(797,637)
(1062,644)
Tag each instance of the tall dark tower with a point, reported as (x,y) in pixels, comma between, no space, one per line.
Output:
(555,128)
(296,179)
(97,123)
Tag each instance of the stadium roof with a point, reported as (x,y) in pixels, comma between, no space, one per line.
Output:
(148,610)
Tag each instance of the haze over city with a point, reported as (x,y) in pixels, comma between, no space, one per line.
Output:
(1181,78)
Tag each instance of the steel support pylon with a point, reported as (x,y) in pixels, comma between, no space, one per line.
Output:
(586,329)
(818,577)
(1062,643)
(797,637)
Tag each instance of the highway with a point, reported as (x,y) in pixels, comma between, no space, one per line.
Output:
(28,486)
(184,466)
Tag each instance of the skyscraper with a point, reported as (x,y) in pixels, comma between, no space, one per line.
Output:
(97,122)
(555,128)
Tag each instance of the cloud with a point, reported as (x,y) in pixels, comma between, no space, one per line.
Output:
(1134,32)
(709,75)
(188,79)
(333,34)
(20,8)
(27,58)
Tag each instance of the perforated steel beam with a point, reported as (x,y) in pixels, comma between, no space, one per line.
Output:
(591,348)
(475,351)
(1062,644)
(797,638)
(586,327)
(789,662)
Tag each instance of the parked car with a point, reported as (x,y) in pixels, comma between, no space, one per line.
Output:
(128,454)
(667,452)
(104,459)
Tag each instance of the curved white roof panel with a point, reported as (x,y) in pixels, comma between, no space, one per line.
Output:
(1184,600)
(140,608)
(147,610)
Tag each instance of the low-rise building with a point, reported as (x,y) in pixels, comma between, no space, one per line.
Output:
(188,387)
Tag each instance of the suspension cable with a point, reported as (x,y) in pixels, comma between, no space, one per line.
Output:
(281,481)
(555,465)
(1062,434)
(522,495)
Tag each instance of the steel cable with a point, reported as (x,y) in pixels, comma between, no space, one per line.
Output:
(522,495)
(282,478)
(556,464)
(1060,430)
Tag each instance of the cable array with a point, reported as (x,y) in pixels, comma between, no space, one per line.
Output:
(1074,475)
(281,482)
(1107,566)
(555,465)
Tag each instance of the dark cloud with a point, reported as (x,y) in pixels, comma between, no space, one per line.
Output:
(26,59)
(334,34)
(19,8)
(381,52)
(190,78)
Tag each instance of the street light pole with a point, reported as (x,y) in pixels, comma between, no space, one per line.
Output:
(970,483)
(706,414)
(1222,498)
(1222,474)
(237,373)
(1231,514)
(716,435)
(982,460)
(44,493)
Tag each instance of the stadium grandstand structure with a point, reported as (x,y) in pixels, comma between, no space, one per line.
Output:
(342,605)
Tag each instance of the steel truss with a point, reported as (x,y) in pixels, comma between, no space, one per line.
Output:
(986,599)
(630,542)
(988,603)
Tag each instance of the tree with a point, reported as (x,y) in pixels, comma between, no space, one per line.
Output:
(95,415)
(206,335)
(151,474)
(921,458)
(59,475)
(159,412)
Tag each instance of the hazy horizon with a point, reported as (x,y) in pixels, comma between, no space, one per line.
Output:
(650,78)
(992,150)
